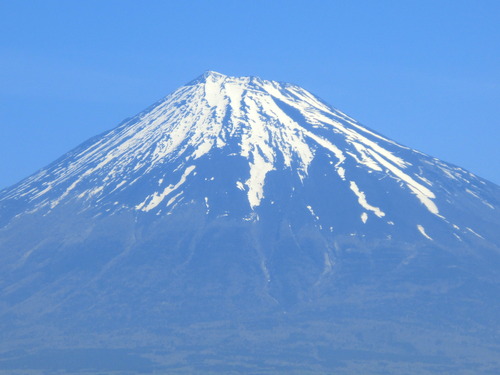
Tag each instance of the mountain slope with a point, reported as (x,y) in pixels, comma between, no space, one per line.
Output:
(236,205)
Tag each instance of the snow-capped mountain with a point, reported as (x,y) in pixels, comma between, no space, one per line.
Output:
(236,212)
(222,141)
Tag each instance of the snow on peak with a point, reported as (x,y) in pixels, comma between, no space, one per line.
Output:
(212,73)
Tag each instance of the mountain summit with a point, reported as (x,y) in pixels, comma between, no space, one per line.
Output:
(237,202)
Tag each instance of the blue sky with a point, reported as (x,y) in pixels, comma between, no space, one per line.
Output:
(425,73)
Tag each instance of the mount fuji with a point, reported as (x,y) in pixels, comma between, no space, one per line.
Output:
(241,225)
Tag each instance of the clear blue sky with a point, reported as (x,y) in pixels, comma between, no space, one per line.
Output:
(425,73)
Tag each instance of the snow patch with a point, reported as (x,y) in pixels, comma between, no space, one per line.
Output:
(153,201)
(364,217)
(480,199)
(206,205)
(423,193)
(312,212)
(421,229)
(473,232)
(363,202)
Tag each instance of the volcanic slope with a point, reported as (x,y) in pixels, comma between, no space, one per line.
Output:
(237,212)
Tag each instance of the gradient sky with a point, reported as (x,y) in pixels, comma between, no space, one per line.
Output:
(424,73)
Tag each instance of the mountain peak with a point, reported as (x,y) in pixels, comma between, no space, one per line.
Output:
(211,76)
(213,73)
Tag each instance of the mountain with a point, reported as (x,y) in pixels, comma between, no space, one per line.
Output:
(241,225)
